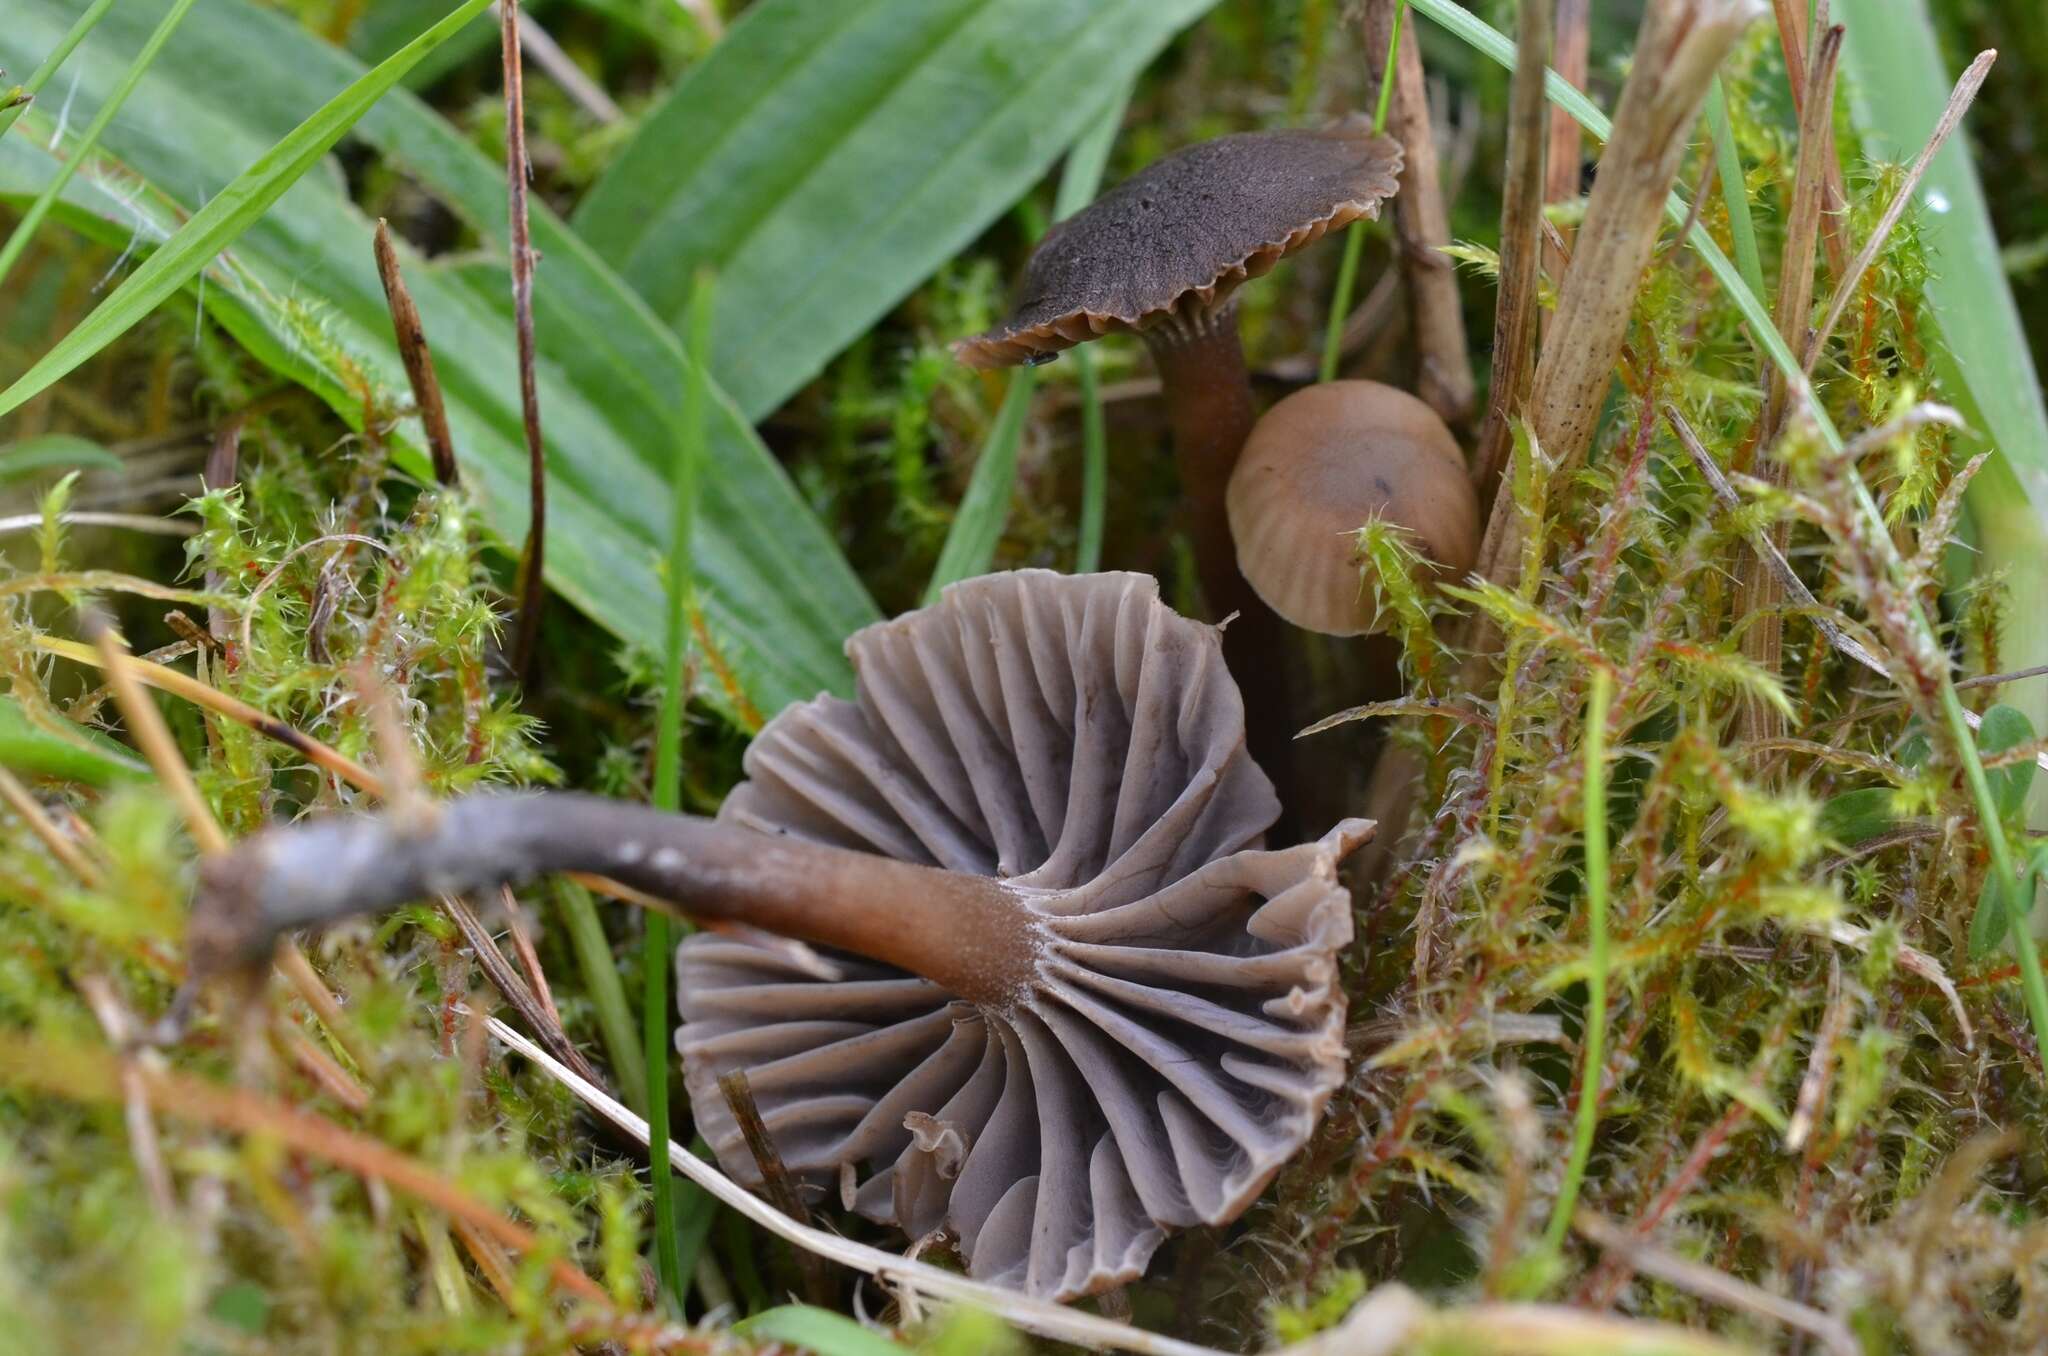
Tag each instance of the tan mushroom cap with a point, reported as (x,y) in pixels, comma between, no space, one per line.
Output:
(1184,1026)
(1183,233)
(1323,463)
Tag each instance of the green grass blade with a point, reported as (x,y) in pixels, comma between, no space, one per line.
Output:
(668,781)
(78,754)
(600,974)
(829,155)
(25,229)
(1594,1043)
(1078,181)
(1354,237)
(56,58)
(215,226)
(820,1331)
(1494,44)
(1734,188)
(971,542)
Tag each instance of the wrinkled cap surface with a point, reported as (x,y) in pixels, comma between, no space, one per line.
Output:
(1184,232)
(1076,738)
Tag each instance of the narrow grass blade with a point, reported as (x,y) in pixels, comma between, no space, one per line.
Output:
(78,755)
(594,962)
(816,1330)
(1078,181)
(1734,189)
(1354,237)
(668,772)
(971,543)
(214,227)
(56,58)
(1594,1042)
(25,229)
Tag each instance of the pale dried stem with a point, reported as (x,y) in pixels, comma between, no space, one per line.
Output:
(1820,1063)
(1716,1286)
(1758,593)
(1422,224)
(1681,45)
(61,845)
(1959,102)
(143,1144)
(547,54)
(508,983)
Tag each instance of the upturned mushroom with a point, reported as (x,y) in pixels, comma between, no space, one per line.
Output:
(1323,463)
(1067,1001)
(1162,255)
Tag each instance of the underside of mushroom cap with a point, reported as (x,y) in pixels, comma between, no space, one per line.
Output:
(1078,740)
(1182,234)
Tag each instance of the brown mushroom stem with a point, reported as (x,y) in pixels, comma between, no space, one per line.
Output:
(969,934)
(1208,397)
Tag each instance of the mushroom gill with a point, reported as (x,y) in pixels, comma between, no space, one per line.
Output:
(1180,1026)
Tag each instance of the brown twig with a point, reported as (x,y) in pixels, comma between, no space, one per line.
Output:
(507,982)
(776,1182)
(61,845)
(1959,102)
(1571,57)
(143,1144)
(1792,35)
(1521,248)
(1444,376)
(529,959)
(531,591)
(418,358)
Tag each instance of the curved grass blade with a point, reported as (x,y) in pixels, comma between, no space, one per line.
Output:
(58,55)
(215,226)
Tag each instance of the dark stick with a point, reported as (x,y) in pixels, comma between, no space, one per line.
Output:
(531,592)
(775,1179)
(417,357)
(507,981)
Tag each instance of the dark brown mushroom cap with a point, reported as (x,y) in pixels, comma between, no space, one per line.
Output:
(1319,466)
(1185,232)
(1077,739)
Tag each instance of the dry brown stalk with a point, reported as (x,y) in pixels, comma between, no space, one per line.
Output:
(143,1144)
(417,356)
(1959,102)
(1792,36)
(1565,160)
(1679,48)
(61,845)
(1444,366)
(508,983)
(1759,595)
(1521,247)
(532,592)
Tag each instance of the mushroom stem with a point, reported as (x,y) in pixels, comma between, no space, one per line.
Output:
(1209,403)
(971,935)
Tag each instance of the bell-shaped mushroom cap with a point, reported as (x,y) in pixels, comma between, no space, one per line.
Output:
(1184,1027)
(1323,463)
(1181,235)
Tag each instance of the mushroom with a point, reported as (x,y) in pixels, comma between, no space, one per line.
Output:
(1323,463)
(1162,255)
(1063,1002)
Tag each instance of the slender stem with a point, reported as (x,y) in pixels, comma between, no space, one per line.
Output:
(1094,464)
(668,765)
(417,357)
(1594,1043)
(1209,403)
(25,229)
(65,46)
(532,590)
(1734,188)
(1379,114)
(607,995)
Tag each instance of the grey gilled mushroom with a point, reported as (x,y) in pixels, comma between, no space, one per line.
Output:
(1068,1002)
(1162,255)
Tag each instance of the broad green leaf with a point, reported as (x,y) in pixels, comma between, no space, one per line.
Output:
(820,1331)
(829,155)
(2007,727)
(71,753)
(1856,816)
(300,289)
(1898,88)
(53,452)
